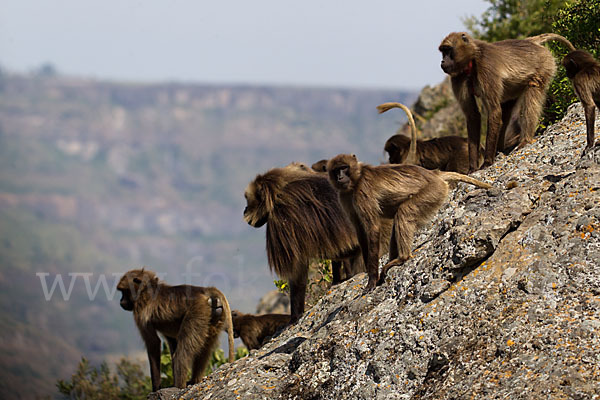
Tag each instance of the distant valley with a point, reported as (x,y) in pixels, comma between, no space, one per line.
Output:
(99,177)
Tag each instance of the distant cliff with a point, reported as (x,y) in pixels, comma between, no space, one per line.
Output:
(500,300)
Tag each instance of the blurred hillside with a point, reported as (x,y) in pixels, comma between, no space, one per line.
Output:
(97,178)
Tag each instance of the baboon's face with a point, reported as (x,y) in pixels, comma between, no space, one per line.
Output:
(255,213)
(341,175)
(457,49)
(571,67)
(235,317)
(397,148)
(131,284)
(447,58)
(340,169)
(126,300)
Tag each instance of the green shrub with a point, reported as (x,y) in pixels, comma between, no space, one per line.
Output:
(129,382)
(580,23)
(320,276)
(98,383)
(514,19)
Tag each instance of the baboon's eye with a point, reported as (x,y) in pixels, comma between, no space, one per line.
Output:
(137,280)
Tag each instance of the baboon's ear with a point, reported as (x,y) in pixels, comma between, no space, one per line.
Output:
(465,38)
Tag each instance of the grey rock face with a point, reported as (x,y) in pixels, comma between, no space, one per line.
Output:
(501,299)
(437,113)
(274,302)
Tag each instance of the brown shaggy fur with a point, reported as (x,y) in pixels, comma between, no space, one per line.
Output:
(584,72)
(298,167)
(304,221)
(182,314)
(407,194)
(510,76)
(320,166)
(446,153)
(255,329)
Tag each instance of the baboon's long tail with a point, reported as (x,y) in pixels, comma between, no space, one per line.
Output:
(411,158)
(455,176)
(228,326)
(544,37)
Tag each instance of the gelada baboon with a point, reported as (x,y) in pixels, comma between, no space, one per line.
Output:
(345,269)
(446,153)
(320,166)
(584,72)
(407,194)
(511,78)
(350,267)
(183,314)
(304,222)
(254,329)
(341,269)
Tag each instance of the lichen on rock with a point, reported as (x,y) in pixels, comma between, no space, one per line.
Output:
(501,299)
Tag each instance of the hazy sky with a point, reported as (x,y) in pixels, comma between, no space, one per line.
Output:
(351,43)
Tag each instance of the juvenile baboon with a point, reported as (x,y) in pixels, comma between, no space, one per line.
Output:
(185,315)
(320,166)
(511,78)
(446,153)
(304,222)
(254,329)
(346,269)
(584,72)
(407,194)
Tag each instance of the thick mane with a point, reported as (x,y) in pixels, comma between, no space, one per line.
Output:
(306,222)
(397,145)
(270,184)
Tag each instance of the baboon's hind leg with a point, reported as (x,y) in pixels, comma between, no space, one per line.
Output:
(202,359)
(400,242)
(529,106)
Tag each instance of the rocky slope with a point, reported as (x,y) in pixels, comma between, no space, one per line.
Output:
(500,300)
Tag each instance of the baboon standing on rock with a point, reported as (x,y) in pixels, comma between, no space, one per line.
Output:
(584,72)
(407,194)
(510,76)
(446,153)
(304,222)
(183,314)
